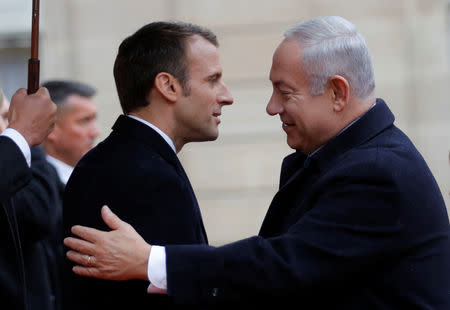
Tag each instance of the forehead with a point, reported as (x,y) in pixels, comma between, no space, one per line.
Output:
(286,63)
(76,104)
(202,55)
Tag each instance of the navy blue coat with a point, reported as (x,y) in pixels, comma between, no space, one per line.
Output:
(361,224)
(136,173)
(14,174)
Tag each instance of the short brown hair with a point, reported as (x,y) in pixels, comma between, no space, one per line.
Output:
(156,47)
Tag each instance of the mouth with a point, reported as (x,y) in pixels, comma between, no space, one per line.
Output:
(216,116)
(287,124)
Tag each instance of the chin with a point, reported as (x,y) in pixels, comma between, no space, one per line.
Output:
(293,144)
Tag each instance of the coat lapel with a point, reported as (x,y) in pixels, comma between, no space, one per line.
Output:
(146,135)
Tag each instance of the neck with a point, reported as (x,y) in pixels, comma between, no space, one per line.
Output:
(164,121)
(61,158)
(354,110)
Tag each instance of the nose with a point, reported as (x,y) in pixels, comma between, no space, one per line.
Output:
(225,97)
(273,106)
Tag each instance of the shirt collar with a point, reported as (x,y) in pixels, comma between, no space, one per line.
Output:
(159,131)
(64,170)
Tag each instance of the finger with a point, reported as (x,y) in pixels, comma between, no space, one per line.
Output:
(155,290)
(21,92)
(79,258)
(42,91)
(79,245)
(86,233)
(91,272)
(112,220)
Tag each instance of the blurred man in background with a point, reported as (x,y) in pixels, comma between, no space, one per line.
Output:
(76,127)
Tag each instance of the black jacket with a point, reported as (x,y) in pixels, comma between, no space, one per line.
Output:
(39,214)
(136,173)
(14,174)
(361,224)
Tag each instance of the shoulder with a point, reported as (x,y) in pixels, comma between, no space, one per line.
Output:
(137,166)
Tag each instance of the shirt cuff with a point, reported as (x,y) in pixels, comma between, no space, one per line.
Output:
(156,268)
(20,141)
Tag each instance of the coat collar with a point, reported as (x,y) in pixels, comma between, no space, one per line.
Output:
(299,167)
(136,130)
(369,125)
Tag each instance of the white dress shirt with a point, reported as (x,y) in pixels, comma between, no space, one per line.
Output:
(64,170)
(20,141)
(161,133)
(157,259)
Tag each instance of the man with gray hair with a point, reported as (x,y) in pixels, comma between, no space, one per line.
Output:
(346,229)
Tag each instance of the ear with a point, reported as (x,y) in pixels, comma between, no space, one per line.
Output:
(168,86)
(53,135)
(339,91)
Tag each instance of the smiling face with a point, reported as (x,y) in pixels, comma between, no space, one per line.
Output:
(198,111)
(307,119)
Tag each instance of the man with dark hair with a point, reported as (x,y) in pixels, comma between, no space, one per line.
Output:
(168,79)
(75,129)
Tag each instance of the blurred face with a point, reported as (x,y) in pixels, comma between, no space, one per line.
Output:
(306,119)
(75,130)
(4,107)
(198,113)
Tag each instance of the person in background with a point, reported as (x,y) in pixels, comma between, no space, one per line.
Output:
(38,210)
(76,126)
(30,119)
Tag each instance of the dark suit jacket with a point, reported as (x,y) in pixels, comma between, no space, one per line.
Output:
(14,174)
(361,224)
(38,208)
(136,173)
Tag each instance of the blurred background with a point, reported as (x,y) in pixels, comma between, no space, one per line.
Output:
(236,176)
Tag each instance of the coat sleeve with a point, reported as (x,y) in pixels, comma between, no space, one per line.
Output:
(14,171)
(38,205)
(355,220)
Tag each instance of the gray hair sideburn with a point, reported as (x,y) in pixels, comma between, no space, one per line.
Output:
(333,46)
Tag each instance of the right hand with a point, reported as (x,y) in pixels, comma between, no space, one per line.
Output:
(120,254)
(32,115)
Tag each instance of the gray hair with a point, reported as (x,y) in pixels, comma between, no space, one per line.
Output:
(333,46)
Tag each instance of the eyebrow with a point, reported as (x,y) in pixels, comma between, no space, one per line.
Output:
(215,75)
(279,83)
